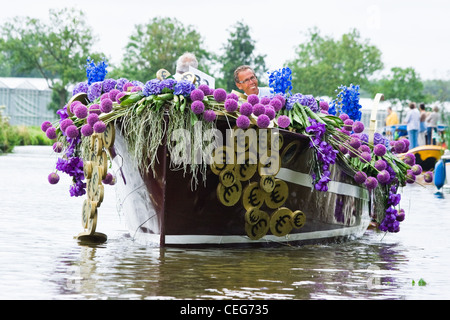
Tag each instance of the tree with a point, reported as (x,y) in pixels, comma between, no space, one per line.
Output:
(158,45)
(323,64)
(239,50)
(57,49)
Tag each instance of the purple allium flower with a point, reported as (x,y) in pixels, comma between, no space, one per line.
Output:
(406,141)
(73,106)
(53,178)
(127,86)
(92,119)
(72,131)
(58,146)
(354,142)
(399,146)
(246,109)
(197,107)
(410,176)
(113,93)
(136,89)
(106,105)
(51,133)
(184,88)
(428,177)
(276,104)
(371,183)
(284,121)
(109,84)
(206,90)
(410,159)
(65,123)
(324,105)
(380,165)
(197,94)
(281,98)
(99,126)
(258,109)
(119,96)
(348,124)
(379,150)
(263,121)
(264,100)
(81,87)
(209,115)
(358,126)
(364,148)
(230,105)
(87,130)
(383,177)
(120,83)
(243,122)
(344,116)
(416,169)
(104,96)
(45,125)
(233,96)
(365,157)
(220,95)
(81,111)
(270,112)
(94,91)
(95,108)
(360,177)
(253,99)
(108,178)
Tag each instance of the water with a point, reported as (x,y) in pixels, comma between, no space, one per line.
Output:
(39,259)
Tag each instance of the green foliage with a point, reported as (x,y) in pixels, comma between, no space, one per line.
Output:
(436,90)
(239,50)
(157,45)
(57,48)
(322,64)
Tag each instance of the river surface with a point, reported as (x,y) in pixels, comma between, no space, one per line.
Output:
(39,258)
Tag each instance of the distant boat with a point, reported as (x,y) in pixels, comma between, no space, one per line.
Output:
(427,155)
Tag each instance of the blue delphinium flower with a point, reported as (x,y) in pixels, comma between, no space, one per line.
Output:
(95,73)
(347,101)
(280,81)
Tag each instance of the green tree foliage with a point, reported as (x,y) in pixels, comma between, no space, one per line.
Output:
(158,45)
(239,50)
(56,49)
(322,64)
(436,90)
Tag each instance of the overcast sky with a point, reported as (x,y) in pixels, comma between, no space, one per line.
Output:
(412,33)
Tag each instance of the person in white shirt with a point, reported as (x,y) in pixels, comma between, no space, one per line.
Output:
(432,121)
(246,80)
(412,121)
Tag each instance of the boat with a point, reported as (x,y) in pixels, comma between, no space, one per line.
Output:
(427,155)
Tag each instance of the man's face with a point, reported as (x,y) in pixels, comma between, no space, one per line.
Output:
(249,82)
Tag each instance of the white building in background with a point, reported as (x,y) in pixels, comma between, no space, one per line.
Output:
(26,101)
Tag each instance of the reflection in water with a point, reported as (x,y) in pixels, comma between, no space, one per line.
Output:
(41,260)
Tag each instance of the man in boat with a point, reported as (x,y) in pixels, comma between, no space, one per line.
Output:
(246,80)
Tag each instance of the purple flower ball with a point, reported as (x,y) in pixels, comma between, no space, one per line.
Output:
(73,105)
(45,125)
(104,96)
(264,100)
(99,126)
(270,112)
(113,94)
(358,126)
(95,108)
(276,104)
(87,130)
(72,131)
(379,150)
(209,115)
(206,90)
(220,95)
(406,141)
(197,95)
(383,177)
(380,165)
(53,178)
(58,146)
(233,96)
(324,105)
(258,109)
(410,176)
(106,105)
(243,122)
(136,89)
(354,142)
(197,107)
(284,121)
(253,99)
(371,183)
(360,177)
(263,121)
(81,111)
(344,116)
(428,177)
(231,105)
(51,133)
(364,148)
(65,123)
(410,159)
(399,146)
(416,169)
(281,98)
(127,86)
(108,178)
(92,119)
(119,96)
(365,157)
(246,109)
(348,124)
